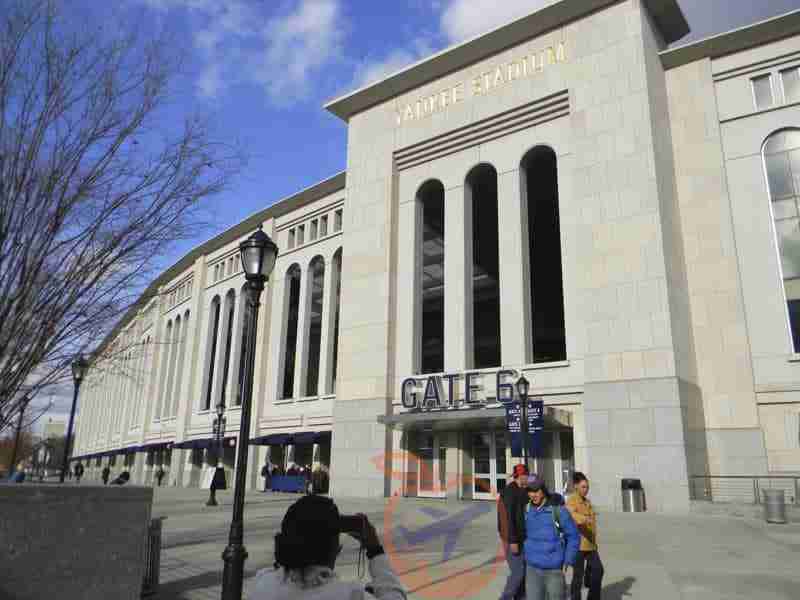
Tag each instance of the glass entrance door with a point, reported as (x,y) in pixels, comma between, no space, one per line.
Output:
(432,469)
(488,464)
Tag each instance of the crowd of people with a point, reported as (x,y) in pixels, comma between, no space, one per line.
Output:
(545,536)
(316,480)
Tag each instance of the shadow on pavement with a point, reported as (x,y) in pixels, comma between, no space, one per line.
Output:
(172,590)
(618,590)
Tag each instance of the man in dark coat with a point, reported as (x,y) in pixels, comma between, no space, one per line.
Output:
(106,473)
(78,472)
(511,527)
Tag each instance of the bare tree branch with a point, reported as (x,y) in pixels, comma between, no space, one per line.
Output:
(93,188)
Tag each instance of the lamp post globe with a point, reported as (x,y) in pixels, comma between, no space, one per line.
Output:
(523,385)
(258,254)
(79,367)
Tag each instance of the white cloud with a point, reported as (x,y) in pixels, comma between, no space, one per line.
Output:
(458,20)
(462,19)
(298,45)
(236,42)
(369,71)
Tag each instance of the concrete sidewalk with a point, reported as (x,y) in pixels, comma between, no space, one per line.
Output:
(450,550)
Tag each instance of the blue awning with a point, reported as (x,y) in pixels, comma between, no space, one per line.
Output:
(228,441)
(273,439)
(304,437)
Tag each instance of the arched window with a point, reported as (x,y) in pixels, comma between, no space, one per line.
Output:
(244,311)
(167,350)
(181,348)
(174,345)
(230,304)
(213,334)
(782,164)
(540,192)
(337,294)
(316,271)
(430,265)
(291,310)
(481,186)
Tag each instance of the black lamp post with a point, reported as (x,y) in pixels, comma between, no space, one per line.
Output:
(258,254)
(79,368)
(219,473)
(522,390)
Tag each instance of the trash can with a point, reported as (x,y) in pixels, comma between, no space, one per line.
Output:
(632,495)
(774,506)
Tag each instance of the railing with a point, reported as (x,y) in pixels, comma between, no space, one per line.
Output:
(152,558)
(743,488)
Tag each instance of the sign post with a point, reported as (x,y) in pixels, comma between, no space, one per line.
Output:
(514,426)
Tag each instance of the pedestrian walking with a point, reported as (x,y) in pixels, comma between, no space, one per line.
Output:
(511,528)
(588,569)
(551,544)
(106,473)
(306,550)
(266,473)
(78,472)
(160,475)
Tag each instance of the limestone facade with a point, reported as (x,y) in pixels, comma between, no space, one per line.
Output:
(679,359)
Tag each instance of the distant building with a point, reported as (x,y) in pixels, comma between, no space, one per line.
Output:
(564,197)
(57,428)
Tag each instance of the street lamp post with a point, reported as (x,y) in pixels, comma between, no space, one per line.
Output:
(79,368)
(258,254)
(522,389)
(219,431)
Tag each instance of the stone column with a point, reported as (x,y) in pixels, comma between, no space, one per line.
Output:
(326,334)
(458,343)
(303,318)
(514,275)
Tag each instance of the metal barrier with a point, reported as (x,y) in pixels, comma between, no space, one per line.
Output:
(743,488)
(152,557)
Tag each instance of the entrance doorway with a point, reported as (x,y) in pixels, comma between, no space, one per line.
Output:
(428,457)
(489,465)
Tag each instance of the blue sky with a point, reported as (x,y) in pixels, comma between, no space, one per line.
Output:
(262,70)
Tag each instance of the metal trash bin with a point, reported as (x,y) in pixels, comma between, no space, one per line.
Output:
(632,495)
(774,506)
(152,560)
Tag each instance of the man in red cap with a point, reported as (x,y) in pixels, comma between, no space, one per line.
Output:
(511,526)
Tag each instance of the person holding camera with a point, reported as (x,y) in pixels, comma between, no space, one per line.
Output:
(306,550)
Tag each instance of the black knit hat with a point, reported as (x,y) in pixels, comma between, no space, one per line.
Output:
(309,533)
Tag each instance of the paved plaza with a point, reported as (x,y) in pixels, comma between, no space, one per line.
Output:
(449,549)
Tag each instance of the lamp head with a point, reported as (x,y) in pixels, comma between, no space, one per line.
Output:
(258,254)
(523,386)
(79,368)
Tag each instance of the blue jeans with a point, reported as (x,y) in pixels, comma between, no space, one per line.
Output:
(515,584)
(544,584)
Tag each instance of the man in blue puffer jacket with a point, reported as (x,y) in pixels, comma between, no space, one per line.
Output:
(551,544)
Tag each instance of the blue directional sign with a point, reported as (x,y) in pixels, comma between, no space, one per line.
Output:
(535,426)
(514,426)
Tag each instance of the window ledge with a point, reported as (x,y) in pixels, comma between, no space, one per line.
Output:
(284,401)
(793,358)
(551,365)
